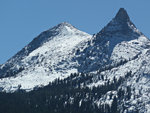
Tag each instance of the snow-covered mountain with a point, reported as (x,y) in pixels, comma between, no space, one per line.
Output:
(117,50)
(46,58)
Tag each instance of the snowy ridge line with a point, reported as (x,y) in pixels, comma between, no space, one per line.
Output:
(111,66)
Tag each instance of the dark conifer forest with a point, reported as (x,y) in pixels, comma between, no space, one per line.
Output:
(70,95)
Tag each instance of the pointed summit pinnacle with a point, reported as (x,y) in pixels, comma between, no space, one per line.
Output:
(120,24)
(122,15)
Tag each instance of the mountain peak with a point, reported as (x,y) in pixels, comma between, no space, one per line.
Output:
(122,15)
(63,27)
(65,24)
(121,24)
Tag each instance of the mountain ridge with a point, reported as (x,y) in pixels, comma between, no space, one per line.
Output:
(106,37)
(118,54)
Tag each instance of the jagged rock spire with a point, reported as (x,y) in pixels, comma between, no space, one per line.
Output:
(122,15)
(121,24)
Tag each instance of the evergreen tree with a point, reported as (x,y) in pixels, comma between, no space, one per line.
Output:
(114,105)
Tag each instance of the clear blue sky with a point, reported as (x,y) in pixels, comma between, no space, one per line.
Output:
(22,20)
